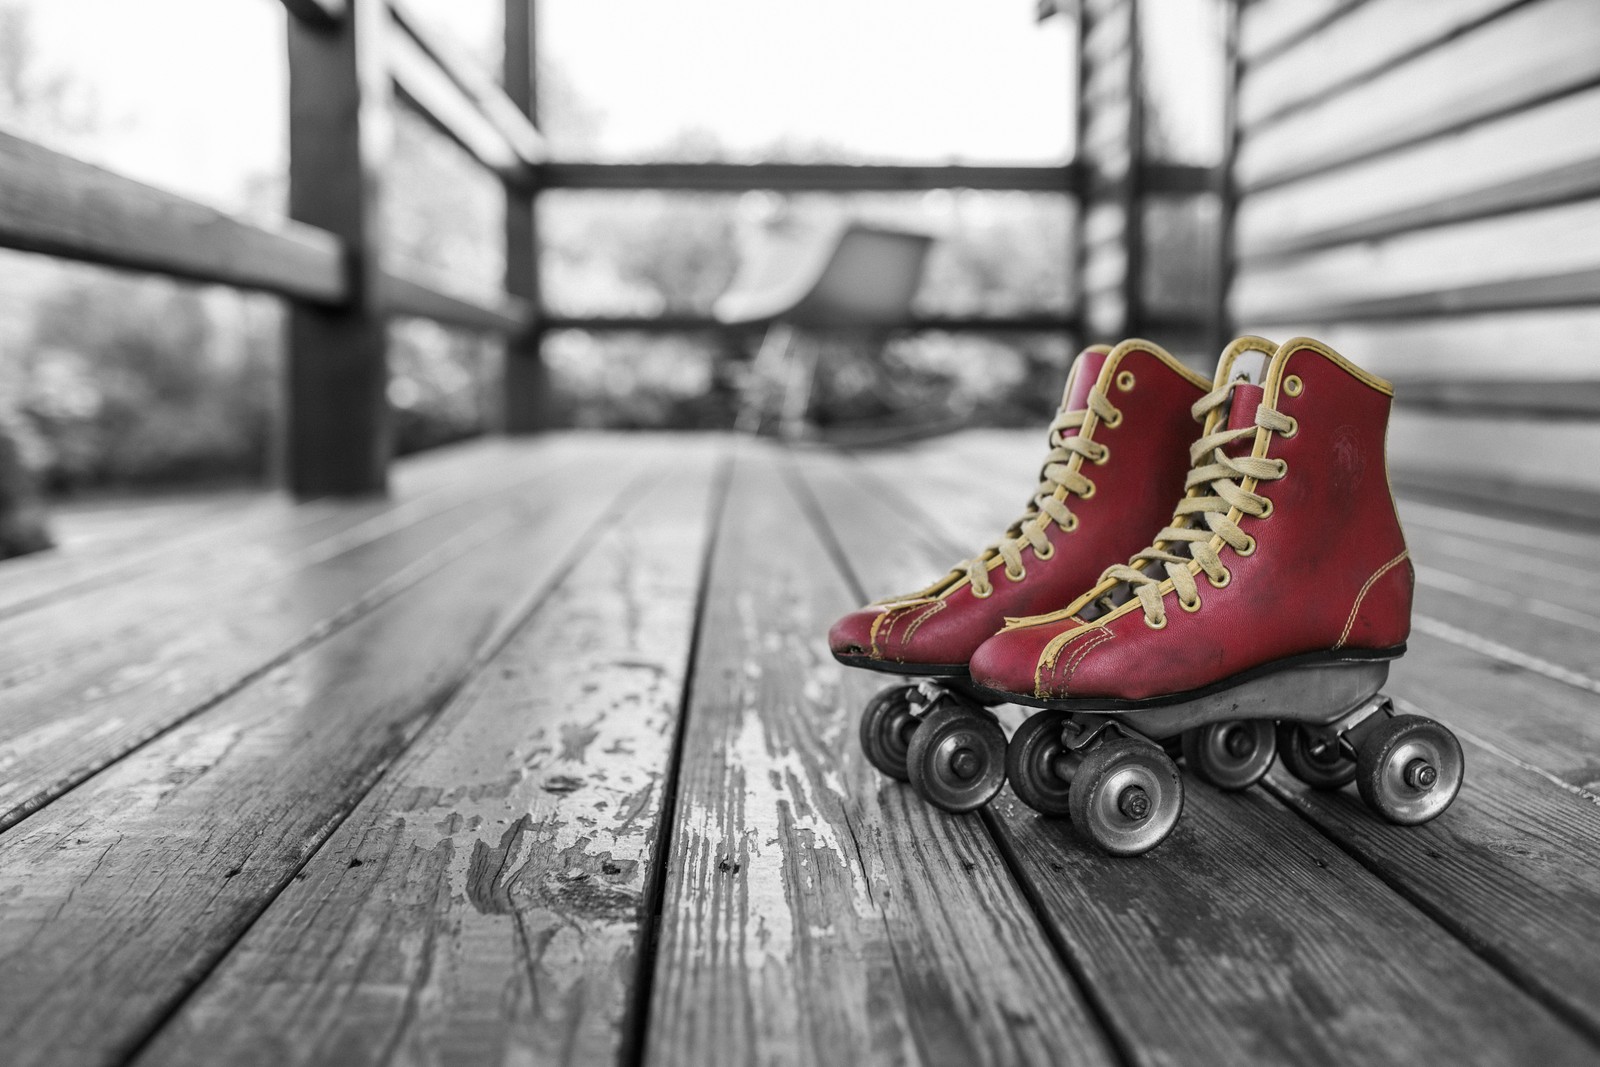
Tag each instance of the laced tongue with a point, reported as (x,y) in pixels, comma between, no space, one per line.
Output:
(1077,402)
(1241,399)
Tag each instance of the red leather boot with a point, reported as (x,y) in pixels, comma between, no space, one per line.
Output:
(1116,461)
(1280,590)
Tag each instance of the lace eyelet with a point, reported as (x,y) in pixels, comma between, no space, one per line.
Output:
(1072,523)
(1048,554)
(1125,381)
(1283,468)
(1293,385)
(1227,579)
(1115,420)
(1294,428)
(1162,625)
(1266,512)
(1087,494)
(1101,456)
(983,594)
(1191,609)
(1022,573)
(1250,550)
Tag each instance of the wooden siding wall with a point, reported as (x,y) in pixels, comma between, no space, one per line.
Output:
(1418,184)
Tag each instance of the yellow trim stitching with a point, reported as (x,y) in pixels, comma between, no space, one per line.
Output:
(1379,573)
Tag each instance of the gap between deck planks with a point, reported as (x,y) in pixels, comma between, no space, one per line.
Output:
(123,894)
(84,683)
(1246,937)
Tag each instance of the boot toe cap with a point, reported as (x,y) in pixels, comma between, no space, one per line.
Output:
(1009,661)
(852,635)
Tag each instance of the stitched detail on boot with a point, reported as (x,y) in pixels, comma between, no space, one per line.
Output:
(1087,639)
(883,626)
(916,624)
(1350,623)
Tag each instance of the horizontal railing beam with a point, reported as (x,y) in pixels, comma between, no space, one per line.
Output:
(504,314)
(480,94)
(56,205)
(807,177)
(1042,322)
(427,89)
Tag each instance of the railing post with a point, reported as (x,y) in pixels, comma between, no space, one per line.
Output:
(338,436)
(1113,160)
(526,394)
(1221,326)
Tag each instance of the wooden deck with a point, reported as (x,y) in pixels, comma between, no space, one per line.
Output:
(544,761)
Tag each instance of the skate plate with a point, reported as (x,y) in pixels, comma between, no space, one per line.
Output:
(1315,693)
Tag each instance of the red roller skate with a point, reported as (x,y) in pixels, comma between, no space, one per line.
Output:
(1115,463)
(1262,620)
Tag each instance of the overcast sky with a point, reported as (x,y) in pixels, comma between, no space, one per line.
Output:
(191,92)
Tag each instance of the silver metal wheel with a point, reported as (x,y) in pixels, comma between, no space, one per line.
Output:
(887,724)
(1126,796)
(1039,766)
(1231,755)
(957,758)
(1409,769)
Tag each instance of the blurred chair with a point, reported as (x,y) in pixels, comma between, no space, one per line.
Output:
(844,290)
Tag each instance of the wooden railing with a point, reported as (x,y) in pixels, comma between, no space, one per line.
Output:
(349,62)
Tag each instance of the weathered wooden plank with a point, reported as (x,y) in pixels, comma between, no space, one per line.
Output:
(1551,188)
(1504,398)
(1273,26)
(1443,454)
(54,204)
(505,314)
(1534,55)
(1245,938)
(1431,176)
(1512,871)
(1375,38)
(797,177)
(814,914)
(1575,288)
(76,569)
(486,901)
(1530,247)
(116,669)
(123,896)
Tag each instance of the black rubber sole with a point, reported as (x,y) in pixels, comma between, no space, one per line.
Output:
(1112,704)
(908,670)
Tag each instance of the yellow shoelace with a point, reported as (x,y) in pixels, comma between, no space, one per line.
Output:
(1211,466)
(1044,508)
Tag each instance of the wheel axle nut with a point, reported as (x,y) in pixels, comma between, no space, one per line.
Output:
(1420,774)
(1134,803)
(1240,744)
(964,764)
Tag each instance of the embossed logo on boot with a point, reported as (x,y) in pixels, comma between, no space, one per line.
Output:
(1349,462)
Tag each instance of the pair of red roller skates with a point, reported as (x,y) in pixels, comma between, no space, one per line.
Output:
(1267,590)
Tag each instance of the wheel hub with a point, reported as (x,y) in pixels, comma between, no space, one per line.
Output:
(1134,803)
(1241,744)
(1421,775)
(965,764)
